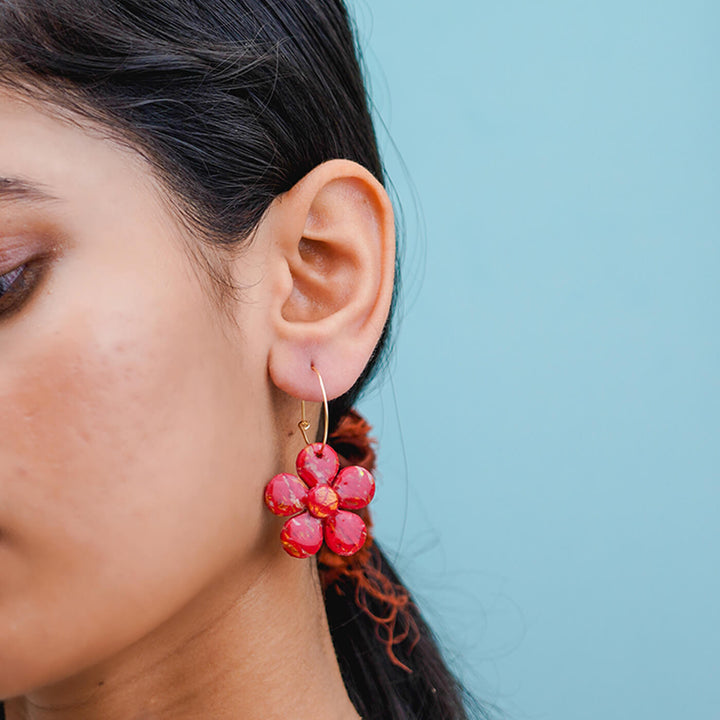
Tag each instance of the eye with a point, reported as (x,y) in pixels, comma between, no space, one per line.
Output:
(17,285)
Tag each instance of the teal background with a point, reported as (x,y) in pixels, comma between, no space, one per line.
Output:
(550,427)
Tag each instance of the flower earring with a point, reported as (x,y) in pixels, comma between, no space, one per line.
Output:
(317,501)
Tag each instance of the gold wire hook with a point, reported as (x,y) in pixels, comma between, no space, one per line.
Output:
(304,425)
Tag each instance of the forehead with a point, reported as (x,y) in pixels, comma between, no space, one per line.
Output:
(87,179)
(46,152)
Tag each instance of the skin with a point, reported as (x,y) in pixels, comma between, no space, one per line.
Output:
(141,576)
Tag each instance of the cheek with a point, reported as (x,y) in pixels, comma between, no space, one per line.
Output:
(125,448)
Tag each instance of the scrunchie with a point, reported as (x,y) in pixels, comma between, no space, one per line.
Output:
(351,442)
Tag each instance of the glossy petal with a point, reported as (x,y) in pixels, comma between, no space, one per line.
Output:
(345,533)
(285,495)
(302,535)
(322,501)
(317,464)
(355,487)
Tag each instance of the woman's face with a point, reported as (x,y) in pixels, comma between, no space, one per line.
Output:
(136,427)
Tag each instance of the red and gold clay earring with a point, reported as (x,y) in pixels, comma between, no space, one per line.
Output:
(318,501)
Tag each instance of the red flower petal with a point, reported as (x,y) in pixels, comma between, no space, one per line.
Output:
(355,487)
(302,535)
(285,494)
(345,533)
(317,464)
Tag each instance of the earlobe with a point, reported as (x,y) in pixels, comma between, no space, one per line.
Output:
(335,254)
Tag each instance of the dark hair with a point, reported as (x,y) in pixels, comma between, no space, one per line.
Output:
(231,102)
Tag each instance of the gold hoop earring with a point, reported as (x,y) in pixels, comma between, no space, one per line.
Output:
(304,425)
(318,500)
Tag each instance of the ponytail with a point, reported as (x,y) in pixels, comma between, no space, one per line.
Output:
(390,661)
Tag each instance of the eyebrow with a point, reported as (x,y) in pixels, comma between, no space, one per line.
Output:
(13,189)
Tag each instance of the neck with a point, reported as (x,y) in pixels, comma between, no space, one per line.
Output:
(260,652)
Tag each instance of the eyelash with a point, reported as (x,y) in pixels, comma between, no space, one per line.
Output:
(16,286)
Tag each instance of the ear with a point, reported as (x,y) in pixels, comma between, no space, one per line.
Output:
(333,259)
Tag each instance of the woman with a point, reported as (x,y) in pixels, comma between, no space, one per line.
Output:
(194,238)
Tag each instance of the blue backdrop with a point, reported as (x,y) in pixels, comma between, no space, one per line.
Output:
(550,434)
